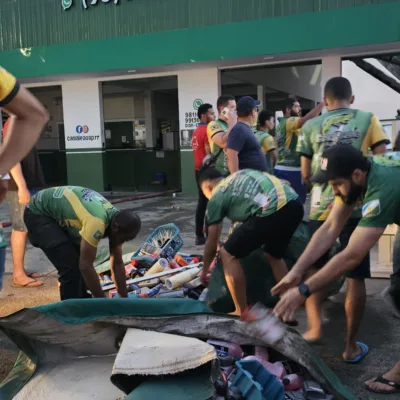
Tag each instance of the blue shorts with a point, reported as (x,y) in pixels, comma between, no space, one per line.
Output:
(2,265)
(295,180)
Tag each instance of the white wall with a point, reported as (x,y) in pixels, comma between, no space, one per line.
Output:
(370,93)
(83,107)
(194,85)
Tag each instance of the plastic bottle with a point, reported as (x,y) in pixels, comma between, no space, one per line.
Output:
(181,261)
(152,292)
(293,382)
(172,263)
(261,352)
(264,323)
(277,369)
(203,295)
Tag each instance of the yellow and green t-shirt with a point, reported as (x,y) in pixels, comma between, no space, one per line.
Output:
(82,213)
(248,193)
(9,87)
(267,143)
(381,201)
(286,136)
(213,128)
(343,126)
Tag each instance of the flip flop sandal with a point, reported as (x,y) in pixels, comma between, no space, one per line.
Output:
(30,285)
(364,351)
(33,275)
(381,379)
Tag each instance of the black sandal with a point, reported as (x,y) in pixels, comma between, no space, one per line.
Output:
(381,379)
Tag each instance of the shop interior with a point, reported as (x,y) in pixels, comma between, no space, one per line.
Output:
(141,132)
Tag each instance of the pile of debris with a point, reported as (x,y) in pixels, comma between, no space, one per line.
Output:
(158,269)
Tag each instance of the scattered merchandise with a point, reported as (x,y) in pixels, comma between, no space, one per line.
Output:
(158,270)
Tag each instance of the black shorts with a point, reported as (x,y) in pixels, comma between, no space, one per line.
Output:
(363,269)
(272,233)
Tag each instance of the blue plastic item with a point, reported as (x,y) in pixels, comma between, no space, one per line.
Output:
(164,242)
(256,383)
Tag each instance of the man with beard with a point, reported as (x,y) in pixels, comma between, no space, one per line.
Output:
(353,177)
(362,130)
(288,165)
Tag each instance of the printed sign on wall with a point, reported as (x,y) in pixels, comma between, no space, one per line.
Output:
(83,119)
(195,87)
(67,4)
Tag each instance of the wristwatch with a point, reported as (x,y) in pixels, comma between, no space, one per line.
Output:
(304,290)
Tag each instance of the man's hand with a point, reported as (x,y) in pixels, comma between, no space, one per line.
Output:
(289,303)
(23,195)
(232,118)
(204,277)
(292,279)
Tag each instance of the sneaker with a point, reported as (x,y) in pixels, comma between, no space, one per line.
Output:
(389,300)
(200,240)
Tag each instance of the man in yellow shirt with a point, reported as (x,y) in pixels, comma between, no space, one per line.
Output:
(266,123)
(218,131)
(29,117)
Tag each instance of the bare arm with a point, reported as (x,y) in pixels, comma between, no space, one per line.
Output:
(118,270)
(361,242)
(210,249)
(324,237)
(207,148)
(380,149)
(274,156)
(221,138)
(233,160)
(86,260)
(29,117)
(312,114)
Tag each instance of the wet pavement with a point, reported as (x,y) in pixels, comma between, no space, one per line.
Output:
(379,329)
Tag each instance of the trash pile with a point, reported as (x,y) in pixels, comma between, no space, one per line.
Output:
(158,269)
(260,373)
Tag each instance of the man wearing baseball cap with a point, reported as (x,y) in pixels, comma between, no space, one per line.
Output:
(354,178)
(243,150)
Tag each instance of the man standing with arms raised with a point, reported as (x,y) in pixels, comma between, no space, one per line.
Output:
(288,165)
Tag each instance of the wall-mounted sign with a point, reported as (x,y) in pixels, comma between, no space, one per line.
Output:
(81,130)
(66,4)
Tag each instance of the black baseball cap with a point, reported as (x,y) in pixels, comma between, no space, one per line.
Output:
(339,161)
(247,104)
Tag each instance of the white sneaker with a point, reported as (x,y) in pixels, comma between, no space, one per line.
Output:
(389,301)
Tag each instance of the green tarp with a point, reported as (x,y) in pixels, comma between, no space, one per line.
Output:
(56,339)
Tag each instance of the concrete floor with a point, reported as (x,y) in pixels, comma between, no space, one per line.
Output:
(379,329)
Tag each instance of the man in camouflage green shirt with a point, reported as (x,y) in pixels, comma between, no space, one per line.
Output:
(269,212)
(218,131)
(362,130)
(67,223)
(374,182)
(288,165)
